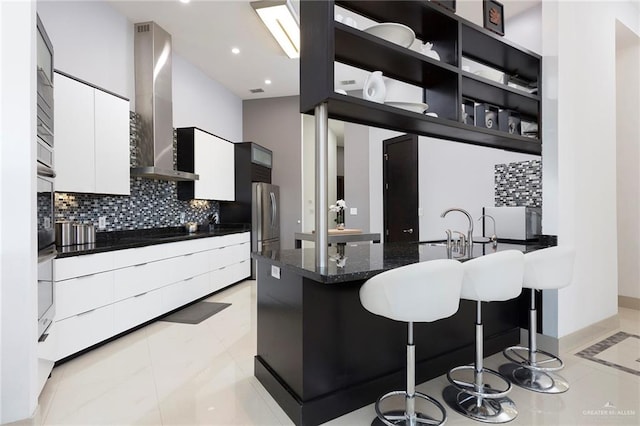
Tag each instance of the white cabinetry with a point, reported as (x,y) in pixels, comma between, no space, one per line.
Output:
(101,295)
(92,139)
(217,160)
(213,159)
(111,144)
(74,124)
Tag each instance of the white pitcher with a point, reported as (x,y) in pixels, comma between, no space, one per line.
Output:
(374,88)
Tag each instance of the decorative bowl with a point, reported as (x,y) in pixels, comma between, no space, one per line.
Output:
(395,33)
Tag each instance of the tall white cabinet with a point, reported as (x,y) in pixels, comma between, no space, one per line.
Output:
(92,139)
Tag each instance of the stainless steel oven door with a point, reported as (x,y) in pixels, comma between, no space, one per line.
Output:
(45,153)
(46,305)
(44,201)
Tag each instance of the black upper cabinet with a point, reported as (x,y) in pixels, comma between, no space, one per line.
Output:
(324,42)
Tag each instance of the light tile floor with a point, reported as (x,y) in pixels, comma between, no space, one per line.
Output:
(181,374)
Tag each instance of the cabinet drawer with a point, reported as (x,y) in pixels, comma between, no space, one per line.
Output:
(148,254)
(238,253)
(138,279)
(225,256)
(238,271)
(81,331)
(183,292)
(228,275)
(82,294)
(193,264)
(219,258)
(136,310)
(77,266)
(231,239)
(154,253)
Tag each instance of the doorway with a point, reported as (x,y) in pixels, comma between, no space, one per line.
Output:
(400,189)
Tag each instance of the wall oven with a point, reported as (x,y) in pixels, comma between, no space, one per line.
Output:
(45,194)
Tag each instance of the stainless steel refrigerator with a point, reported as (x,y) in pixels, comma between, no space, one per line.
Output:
(265,219)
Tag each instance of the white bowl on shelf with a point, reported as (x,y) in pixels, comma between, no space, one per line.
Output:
(395,33)
(418,107)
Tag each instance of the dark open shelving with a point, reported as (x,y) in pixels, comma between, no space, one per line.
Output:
(484,90)
(394,61)
(325,42)
(428,22)
(356,110)
(492,50)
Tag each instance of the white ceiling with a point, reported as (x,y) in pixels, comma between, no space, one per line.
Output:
(204,31)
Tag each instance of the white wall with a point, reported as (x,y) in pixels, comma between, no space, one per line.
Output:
(586,157)
(18,239)
(93,42)
(202,102)
(628,160)
(276,124)
(525,28)
(457,175)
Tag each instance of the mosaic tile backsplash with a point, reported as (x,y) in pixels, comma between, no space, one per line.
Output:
(152,203)
(519,184)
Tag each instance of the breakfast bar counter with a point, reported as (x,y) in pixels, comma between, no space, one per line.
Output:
(320,354)
(338,236)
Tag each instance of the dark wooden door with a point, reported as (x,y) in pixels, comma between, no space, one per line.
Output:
(400,189)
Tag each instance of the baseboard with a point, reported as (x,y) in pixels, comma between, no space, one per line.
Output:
(629,302)
(575,339)
(587,334)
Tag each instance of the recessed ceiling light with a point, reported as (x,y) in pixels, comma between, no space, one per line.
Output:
(235,50)
(267,81)
(185,1)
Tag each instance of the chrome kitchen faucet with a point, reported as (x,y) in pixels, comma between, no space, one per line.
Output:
(470,230)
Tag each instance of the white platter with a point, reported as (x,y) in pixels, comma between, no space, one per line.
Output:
(418,107)
(393,32)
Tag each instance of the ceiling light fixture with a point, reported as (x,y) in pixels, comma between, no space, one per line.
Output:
(267,81)
(282,21)
(185,1)
(235,50)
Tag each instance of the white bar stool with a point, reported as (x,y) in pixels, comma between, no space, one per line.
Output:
(545,269)
(420,292)
(494,277)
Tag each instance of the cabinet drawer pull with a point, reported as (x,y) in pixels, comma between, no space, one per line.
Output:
(188,279)
(140,264)
(85,276)
(141,294)
(86,312)
(189,254)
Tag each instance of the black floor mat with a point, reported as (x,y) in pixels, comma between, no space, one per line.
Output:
(196,313)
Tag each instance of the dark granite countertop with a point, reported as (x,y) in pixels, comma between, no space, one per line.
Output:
(359,261)
(119,240)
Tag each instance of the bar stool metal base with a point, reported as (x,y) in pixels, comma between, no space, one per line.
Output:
(486,410)
(469,386)
(539,381)
(537,360)
(392,418)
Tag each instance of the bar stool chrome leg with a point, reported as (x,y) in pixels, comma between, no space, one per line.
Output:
(536,367)
(409,416)
(473,397)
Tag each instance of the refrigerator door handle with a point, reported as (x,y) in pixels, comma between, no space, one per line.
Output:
(274,209)
(258,208)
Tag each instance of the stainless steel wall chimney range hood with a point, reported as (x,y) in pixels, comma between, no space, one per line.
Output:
(152,57)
